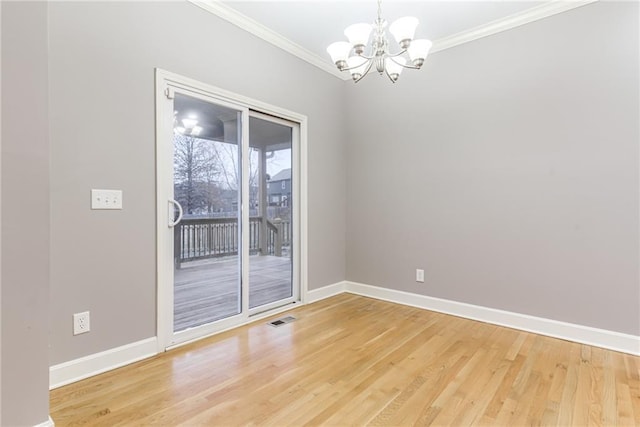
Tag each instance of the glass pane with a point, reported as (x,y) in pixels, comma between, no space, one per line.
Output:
(207,243)
(270,261)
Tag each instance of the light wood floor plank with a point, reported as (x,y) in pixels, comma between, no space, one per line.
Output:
(350,360)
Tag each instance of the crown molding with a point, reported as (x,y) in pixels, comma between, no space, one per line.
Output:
(512,21)
(231,15)
(257,29)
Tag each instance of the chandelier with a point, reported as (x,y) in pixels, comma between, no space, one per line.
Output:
(378,55)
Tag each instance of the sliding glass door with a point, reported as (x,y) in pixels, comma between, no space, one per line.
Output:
(207,188)
(272,198)
(228,183)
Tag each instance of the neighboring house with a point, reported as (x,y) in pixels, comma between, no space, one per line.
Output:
(279,188)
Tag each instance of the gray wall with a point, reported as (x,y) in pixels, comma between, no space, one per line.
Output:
(508,170)
(25,215)
(101,69)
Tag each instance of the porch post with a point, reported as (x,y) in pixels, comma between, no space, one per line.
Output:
(262,204)
(277,244)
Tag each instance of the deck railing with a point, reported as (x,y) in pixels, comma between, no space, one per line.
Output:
(202,238)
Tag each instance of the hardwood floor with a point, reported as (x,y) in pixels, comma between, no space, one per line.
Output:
(350,360)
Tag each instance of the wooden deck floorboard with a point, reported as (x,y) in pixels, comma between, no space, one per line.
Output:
(208,291)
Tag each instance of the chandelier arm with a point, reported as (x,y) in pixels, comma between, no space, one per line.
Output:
(394,55)
(389,75)
(365,72)
(411,67)
(356,66)
(368,58)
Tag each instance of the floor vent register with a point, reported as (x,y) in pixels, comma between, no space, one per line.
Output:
(282,321)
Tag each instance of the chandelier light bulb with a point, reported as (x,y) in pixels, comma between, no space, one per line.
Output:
(403,30)
(358,35)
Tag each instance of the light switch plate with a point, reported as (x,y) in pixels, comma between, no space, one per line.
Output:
(106,199)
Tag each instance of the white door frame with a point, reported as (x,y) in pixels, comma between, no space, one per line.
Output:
(166,85)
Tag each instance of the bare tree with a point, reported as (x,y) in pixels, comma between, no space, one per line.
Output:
(207,172)
(194,173)
(228,161)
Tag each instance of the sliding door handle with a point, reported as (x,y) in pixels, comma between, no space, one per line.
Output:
(172,204)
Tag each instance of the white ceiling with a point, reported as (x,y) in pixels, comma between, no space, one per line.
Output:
(316,24)
(306,27)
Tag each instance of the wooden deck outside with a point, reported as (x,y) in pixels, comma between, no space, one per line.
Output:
(208,290)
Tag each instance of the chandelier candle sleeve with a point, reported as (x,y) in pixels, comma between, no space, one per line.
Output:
(374,52)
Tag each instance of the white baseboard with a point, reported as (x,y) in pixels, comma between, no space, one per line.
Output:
(48,423)
(84,367)
(325,292)
(568,331)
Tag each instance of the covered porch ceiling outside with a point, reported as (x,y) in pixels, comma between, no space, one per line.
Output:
(219,123)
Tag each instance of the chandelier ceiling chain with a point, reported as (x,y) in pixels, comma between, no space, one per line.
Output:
(378,53)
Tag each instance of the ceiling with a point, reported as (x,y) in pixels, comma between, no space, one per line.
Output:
(316,24)
(306,27)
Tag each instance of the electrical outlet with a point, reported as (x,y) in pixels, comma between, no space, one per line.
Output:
(81,323)
(419,275)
